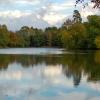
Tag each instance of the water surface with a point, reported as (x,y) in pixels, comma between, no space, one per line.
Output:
(50,75)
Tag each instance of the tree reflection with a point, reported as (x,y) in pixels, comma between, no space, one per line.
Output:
(74,65)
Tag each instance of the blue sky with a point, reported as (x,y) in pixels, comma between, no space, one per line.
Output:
(39,13)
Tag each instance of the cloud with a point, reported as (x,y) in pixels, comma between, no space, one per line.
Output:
(20,1)
(28,2)
(30,20)
(53,13)
(54,18)
(14,14)
(62,6)
(41,82)
(89,11)
(38,13)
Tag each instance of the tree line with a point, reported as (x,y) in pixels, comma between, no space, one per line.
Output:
(73,34)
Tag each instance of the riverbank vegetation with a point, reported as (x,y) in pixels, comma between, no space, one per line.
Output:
(73,34)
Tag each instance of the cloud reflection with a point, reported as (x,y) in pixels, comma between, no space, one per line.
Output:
(45,81)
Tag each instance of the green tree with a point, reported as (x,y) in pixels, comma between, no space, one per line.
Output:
(37,39)
(68,23)
(75,37)
(13,40)
(97,42)
(4,36)
(66,38)
(78,32)
(93,30)
(53,37)
(77,17)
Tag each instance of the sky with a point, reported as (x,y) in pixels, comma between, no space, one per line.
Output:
(39,13)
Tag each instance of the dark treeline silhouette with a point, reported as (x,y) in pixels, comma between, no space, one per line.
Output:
(73,34)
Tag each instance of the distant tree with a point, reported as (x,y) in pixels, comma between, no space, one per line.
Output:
(25,33)
(37,39)
(66,39)
(93,30)
(74,38)
(13,40)
(68,23)
(97,42)
(78,32)
(77,17)
(94,20)
(52,36)
(4,36)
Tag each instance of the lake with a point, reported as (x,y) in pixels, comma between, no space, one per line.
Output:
(49,74)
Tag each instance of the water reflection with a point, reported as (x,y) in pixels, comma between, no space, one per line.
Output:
(73,65)
(59,76)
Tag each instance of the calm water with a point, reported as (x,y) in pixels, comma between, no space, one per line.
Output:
(49,74)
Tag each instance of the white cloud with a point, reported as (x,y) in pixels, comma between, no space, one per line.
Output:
(20,1)
(95,86)
(62,6)
(14,14)
(54,18)
(55,12)
(88,11)
(28,2)
(24,83)
(38,13)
